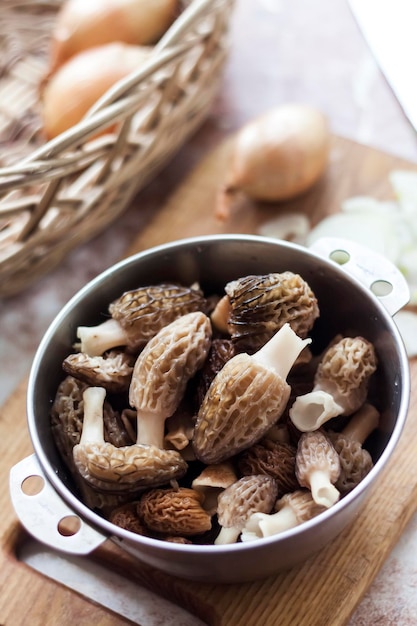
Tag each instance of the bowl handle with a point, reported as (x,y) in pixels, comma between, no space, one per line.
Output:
(45,515)
(372,269)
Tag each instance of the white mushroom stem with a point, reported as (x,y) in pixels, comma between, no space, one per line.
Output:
(313,409)
(322,490)
(281,351)
(227,535)
(95,340)
(263,525)
(362,423)
(93,423)
(151,428)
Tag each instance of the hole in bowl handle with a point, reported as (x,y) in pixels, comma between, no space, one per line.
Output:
(45,515)
(372,269)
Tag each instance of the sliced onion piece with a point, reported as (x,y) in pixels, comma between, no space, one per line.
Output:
(404,184)
(290,226)
(407,263)
(377,230)
(368,204)
(407,325)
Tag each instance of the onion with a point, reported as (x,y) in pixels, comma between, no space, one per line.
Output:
(277,156)
(289,226)
(78,84)
(406,322)
(83,24)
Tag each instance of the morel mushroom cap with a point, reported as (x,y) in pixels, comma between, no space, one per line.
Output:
(176,512)
(355,462)
(291,510)
(261,305)
(317,467)
(273,458)
(112,371)
(126,517)
(221,351)
(138,315)
(119,470)
(340,385)
(162,371)
(238,502)
(67,414)
(245,398)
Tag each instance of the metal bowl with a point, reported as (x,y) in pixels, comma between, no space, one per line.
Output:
(358,292)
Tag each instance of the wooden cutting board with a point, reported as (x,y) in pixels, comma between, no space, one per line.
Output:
(324,590)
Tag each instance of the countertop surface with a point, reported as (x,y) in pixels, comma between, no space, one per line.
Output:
(281,52)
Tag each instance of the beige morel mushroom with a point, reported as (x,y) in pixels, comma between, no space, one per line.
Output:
(291,510)
(355,461)
(340,384)
(162,371)
(176,512)
(119,470)
(212,480)
(256,307)
(273,458)
(245,398)
(250,494)
(317,467)
(112,371)
(138,315)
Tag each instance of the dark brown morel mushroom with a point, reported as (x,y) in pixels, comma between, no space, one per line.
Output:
(260,305)
(273,458)
(176,512)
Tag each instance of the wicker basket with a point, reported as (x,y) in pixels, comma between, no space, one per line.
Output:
(56,195)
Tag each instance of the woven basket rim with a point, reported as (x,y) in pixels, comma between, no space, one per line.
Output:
(102,112)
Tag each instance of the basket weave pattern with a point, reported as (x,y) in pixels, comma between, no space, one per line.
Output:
(55,195)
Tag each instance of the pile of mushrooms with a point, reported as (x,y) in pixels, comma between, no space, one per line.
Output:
(200,419)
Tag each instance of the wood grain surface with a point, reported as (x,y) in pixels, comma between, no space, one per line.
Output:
(325,589)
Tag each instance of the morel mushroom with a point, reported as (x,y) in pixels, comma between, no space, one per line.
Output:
(221,351)
(112,371)
(250,494)
(126,517)
(317,467)
(162,371)
(245,398)
(176,512)
(119,470)
(291,510)
(273,458)
(340,384)
(260,305)
(67,414)
(138,315)
(355,461)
